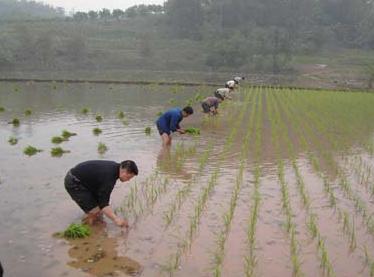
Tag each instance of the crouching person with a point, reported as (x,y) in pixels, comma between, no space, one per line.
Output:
(210,105)
(90,185)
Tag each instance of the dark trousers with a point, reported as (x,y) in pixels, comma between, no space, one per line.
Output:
(85,199)
(1,270)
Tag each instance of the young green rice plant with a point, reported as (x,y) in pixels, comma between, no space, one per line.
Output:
(58,152)
(31,150)
(121,115)
(171,101)
(2,109)
(85,110)
(97,131)
(28,112)
(148,131)
(102,148)
(99,118)
(13,140)
(125,122)
(77,231)
(15,122)
(66,134)
(193,131)
(159,113)
(57,140)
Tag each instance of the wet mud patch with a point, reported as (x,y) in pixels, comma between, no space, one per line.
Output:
(97,255)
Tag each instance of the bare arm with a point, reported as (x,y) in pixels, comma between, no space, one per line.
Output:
(108,211)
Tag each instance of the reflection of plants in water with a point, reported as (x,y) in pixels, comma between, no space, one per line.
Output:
(97,131)
(13,140)
(99,118)
(84,111)
(31,150)
(28,112)
(58,152)
(102,148)
(15,122)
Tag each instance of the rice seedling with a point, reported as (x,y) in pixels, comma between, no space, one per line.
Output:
(13,140)
(97,131)
(15,122)
(66,134)
(171,101)
(85,111)
(99,118)
(159,113)
(148,131)
(77,231)
(31,150)
(102,148)
(121,115)
(58,152)
(57,140)
(2,109)
(28,112)
(193,131)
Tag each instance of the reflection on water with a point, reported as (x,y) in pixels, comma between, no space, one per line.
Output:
(97,255)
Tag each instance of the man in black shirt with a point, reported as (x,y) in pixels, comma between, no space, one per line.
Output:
(90,184)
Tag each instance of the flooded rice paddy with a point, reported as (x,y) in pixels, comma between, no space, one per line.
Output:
(280,183)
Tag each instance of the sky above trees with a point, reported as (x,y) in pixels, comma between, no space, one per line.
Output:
(85,5)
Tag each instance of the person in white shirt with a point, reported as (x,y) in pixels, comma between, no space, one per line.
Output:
(234,82)
(223,93)
(230,84)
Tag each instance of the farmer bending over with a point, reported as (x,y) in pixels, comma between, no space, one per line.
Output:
(234,82)
(223,93)
(90,184)
(168,123)
(210,105)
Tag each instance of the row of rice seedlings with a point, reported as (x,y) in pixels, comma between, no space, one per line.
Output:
(278,135)
(345,185)
(311,223)
(229,214)
(139,201)
(185,191)
(348,226)
(250,258)
(185,244)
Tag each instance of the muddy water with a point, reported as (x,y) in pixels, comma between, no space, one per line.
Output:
(34,204)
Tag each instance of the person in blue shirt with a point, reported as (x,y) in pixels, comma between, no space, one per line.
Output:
(168,123)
